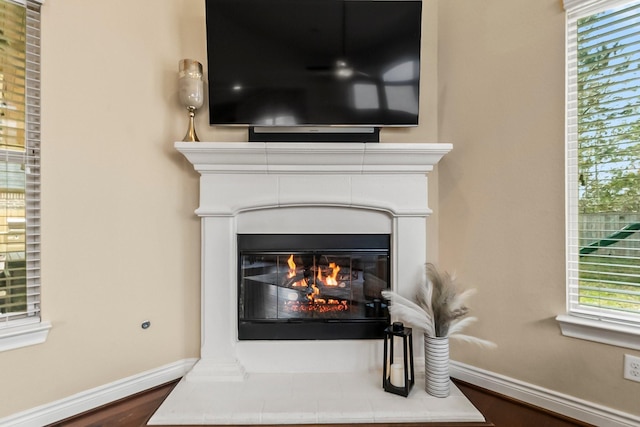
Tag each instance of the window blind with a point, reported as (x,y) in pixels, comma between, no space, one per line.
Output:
(603,160)
(19,161)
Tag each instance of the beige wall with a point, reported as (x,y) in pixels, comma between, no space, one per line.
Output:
(502,195)
(121,242)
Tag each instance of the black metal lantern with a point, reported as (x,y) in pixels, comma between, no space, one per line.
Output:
(398,378)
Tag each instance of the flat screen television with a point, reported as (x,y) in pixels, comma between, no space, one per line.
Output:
(293,63)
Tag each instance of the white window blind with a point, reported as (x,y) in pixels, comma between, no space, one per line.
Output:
(19,161)
(603,159)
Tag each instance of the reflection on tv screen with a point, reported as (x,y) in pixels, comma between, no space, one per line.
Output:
(313,62)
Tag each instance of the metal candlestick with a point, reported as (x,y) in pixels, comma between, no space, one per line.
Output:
(191,91)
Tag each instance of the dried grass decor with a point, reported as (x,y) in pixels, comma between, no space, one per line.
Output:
(439,309)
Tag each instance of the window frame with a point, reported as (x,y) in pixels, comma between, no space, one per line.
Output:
(594,324)
(31,329)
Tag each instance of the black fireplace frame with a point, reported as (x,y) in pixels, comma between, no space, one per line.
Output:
(308,329)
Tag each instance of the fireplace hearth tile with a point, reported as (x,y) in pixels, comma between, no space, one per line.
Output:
(307,399)
(332,411)
(365,386)
(268,385)
(419,407)
(325,383)
(241,416)
(302,409)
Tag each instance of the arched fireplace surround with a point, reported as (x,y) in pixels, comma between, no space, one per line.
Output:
(306,188)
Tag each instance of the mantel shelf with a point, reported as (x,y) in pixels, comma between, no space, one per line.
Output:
(313,158)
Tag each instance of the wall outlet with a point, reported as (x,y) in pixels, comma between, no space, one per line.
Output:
(632,367)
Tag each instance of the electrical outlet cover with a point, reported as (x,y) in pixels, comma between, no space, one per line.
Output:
(632,367)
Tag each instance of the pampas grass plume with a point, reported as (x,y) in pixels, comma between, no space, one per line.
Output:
(439,310)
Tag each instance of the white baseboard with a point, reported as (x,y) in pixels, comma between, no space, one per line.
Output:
(93,398)
(543,398)
(538,396)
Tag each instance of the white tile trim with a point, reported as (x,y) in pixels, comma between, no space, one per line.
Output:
(23,334)
(102,395)
(554,401)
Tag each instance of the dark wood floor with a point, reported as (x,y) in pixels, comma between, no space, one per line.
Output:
(133,411)
(504,411)
(500,411)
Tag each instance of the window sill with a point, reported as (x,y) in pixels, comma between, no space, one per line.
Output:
(599,331)
(23,335)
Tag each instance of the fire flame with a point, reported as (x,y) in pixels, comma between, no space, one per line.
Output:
(313,303)
(292,273)
(292,267)
(331,279)
(315,291)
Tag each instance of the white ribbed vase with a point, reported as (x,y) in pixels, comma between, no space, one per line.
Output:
(436,365)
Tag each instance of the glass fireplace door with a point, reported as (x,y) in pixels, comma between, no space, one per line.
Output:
(312,286)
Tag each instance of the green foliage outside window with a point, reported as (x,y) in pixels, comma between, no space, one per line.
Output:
(609,158)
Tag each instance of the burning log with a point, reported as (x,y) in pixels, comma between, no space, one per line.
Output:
(298,280)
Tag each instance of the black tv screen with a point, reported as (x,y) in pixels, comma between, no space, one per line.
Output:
(313,62)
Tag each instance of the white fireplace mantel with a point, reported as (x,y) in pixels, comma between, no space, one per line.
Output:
(307,188)
(278,188)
